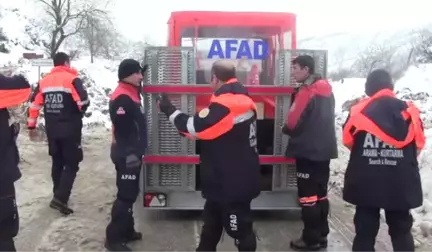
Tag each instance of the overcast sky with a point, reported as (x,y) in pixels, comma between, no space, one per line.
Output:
(139,18)
(315,17)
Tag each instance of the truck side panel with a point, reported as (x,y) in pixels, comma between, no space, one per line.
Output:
(173,66)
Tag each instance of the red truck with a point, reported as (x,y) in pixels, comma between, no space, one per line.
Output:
(262,45)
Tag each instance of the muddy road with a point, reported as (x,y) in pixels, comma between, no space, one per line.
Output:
(44,229)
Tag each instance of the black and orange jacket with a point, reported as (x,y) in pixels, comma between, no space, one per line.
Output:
(310,122)
(385,135)
(13,92)
(226,131)
(64,99)
(129,126)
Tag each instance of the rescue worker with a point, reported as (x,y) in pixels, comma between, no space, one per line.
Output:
(13,91)
(65,101)
(129,143)
(229,161)
(385,135)
(311,127)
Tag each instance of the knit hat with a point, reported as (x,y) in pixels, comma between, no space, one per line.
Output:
(128,67)
(378,80)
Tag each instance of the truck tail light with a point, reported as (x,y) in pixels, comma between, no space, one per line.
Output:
(155,200)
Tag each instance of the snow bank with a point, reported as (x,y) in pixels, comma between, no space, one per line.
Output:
(416,86)
(17,27)
(100,77)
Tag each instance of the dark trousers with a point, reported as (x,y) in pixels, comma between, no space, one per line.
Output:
(237,220)
(9,219)
(367,223)
(122,221)
(66,155)
(312,184)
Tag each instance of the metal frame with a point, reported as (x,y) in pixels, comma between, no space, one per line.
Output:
(172,70)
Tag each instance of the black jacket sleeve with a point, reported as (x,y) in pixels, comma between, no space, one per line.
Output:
(124,113)
(82,99)
(14,82)
(302,119)
(5,132)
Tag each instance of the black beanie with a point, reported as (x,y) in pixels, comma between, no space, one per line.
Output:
(377,80)
(128,67)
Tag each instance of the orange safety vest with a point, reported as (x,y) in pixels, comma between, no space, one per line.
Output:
(362,123)
(241,108)
(60,79)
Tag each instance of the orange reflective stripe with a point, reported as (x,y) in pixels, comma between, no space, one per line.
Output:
(76,97)
(419,137)
(230,81)
(363,123)
(238,104)
(34,109)
(347,136)
(310,199)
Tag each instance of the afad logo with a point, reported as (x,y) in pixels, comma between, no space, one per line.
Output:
(239,49)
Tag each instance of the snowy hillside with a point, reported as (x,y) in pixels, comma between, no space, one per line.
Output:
(416,86)
(345,47)
(20,37)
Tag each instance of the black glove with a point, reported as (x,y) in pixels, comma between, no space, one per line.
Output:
(132,161)
(165,105)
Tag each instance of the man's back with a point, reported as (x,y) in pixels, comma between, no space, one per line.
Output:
(64,99)
(382,174)
(230,162)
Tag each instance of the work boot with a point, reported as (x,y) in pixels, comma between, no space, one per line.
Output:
(301,245)
(134,236)
(247,243)
(117,246)
(60,206)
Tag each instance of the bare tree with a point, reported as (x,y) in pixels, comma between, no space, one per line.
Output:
(99,35)
(374,56)
(421,46)
(136,49)
(3,39)
(66,18)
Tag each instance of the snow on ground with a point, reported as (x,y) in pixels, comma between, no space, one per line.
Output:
(416,86)
(44,229)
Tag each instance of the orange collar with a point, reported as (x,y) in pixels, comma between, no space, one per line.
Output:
(64,69)
(232,80)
